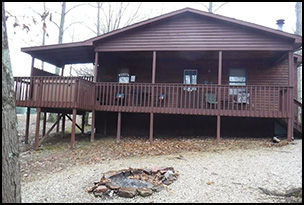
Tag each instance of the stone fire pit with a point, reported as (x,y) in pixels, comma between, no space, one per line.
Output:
(130,182)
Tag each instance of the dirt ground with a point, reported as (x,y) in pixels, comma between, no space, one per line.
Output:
(55,154)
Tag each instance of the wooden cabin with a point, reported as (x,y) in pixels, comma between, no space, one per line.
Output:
(187,72)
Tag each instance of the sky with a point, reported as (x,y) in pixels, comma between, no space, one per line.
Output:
(261,13)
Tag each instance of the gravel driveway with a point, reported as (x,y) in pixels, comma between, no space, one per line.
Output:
(232,176)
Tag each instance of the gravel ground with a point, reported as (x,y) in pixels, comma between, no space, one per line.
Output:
(232,176)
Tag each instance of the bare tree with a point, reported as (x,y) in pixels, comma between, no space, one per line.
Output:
(10,145)
(212,7)
(115,15)
(298,9)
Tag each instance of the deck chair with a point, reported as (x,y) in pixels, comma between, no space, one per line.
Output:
(242,97)
(211,98)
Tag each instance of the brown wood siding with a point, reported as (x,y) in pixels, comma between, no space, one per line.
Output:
(192,32)
(170,68)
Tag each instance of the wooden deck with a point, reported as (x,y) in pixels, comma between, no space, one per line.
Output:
(225,100)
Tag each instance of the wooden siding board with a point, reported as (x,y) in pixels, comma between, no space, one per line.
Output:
(192,32)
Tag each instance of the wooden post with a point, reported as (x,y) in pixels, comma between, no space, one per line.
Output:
(93,126)
(82,124)
(291,94)
(218,127)
(28,114)
(152,97)
(73,128)
(220,68)
(94,95)
(118,127)
(151,127)
(57,127)
(62,70)
(44,123)
(154,67)
(218,124)
(31,81)
(32,66)
(63,125)
(37,127)
(105,125)
(96,67)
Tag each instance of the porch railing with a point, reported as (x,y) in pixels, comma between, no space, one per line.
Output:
(54,92)
(226,100)
(259,100)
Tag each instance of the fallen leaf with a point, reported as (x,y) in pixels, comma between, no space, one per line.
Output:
(209,183)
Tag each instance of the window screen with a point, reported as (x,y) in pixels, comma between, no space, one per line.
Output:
(237,77)
(123,78)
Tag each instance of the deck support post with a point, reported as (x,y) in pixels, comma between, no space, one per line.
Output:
(152,98)
(105,125)
(57,128)
(93,126)
(73,129)
(37,127)
(218,127)
(82,124)
(63,125)
(62,70)
(291,96)
(151,127)
(27,125)
(118,127)
(44,123)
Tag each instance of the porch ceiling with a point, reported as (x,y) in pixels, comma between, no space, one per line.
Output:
(60,55)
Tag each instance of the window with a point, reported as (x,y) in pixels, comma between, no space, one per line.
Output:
(190,77)
(237,77)
(123,78)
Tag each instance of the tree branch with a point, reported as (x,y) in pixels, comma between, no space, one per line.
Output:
(220,6)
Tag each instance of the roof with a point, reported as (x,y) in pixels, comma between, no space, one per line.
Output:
(83,52)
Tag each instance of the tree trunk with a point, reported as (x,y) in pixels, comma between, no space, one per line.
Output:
(98,17)
(10,145)
(61,28)
(43,36)
(299,32)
